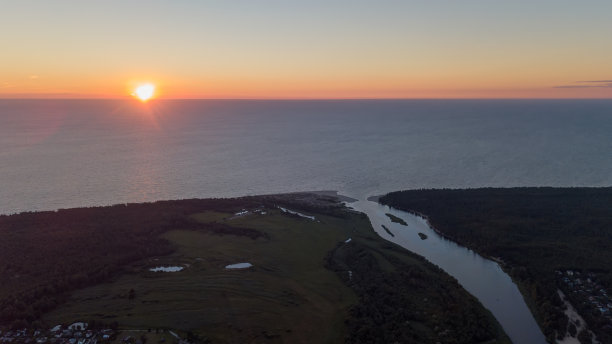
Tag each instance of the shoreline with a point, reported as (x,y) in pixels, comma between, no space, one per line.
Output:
(497,260)
(507,268)
(332,193)
(503,265)
(324,193)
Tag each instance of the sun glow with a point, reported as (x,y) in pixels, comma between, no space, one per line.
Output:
(144,92)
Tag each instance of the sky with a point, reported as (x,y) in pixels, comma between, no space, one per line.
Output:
(307,49)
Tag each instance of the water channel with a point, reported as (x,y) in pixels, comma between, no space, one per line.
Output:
(481,277)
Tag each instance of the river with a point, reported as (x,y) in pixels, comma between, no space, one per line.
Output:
(481,277)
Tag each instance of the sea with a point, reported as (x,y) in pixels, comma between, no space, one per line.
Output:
(74,153)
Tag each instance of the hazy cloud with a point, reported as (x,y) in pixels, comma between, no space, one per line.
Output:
(33,77)
(589,84)
(596,81)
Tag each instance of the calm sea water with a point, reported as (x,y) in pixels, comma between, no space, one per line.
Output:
(59,153)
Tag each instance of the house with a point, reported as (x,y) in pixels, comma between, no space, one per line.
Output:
(78,326)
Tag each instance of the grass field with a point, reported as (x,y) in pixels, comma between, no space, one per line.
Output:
(287,296)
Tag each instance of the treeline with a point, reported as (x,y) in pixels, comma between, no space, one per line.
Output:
(535,231)
(46,255)
(405,299)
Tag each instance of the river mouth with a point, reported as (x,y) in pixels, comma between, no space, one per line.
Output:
(481,277)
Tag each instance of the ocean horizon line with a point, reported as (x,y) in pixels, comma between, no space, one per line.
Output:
(294,99)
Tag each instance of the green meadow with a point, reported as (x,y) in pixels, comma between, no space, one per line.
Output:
(287,295)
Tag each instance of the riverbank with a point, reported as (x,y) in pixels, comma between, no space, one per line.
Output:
(482,278)
(532,232)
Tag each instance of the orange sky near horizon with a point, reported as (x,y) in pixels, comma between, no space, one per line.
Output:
(297,50)
(256,89)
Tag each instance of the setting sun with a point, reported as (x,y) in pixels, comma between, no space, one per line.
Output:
(144,92)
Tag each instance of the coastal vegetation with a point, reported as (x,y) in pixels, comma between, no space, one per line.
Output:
(331,279)
(46,255)
(403,298)
(539,235)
